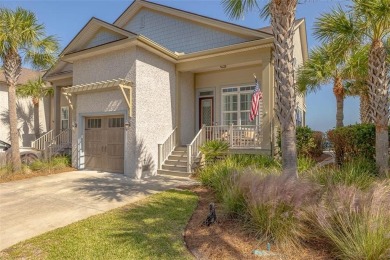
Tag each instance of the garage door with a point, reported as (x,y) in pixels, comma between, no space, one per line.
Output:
(104,143)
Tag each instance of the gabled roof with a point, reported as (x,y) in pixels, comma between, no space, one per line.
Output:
(89,30)
(139,4)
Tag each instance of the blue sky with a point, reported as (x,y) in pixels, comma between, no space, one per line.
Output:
(65,18)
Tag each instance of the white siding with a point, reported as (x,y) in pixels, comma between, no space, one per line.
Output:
(101,37)
(178,34)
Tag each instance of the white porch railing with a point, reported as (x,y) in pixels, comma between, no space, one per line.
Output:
(59,142)
(40,143)
(238,136)
(166,148)
(193,150)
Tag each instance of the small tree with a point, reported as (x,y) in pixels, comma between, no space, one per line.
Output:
(35,90)
(371,19)
(22,38)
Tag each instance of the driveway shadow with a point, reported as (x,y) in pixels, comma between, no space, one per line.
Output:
(117,187)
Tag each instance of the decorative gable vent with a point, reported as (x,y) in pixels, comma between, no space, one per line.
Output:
(142,22)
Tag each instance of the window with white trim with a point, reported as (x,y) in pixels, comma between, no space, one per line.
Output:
(236,105)
(64,118)
(299,117)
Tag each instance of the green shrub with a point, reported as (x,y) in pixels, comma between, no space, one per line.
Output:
(360,172)
(354,141)
(318,144)
(305,141)
(214,149)
(55,163)
(305,164)
(216,175)
(309,142)
(254,160)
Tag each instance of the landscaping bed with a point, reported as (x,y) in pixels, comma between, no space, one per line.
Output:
(228,238)
(56,165)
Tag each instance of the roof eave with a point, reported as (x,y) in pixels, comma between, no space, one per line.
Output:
(137,5)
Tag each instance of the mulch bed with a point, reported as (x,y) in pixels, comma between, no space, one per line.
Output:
(227,239)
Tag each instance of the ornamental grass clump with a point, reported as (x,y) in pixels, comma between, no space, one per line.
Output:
(275,205)
(353,224)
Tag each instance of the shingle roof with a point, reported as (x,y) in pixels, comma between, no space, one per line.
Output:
(26,75)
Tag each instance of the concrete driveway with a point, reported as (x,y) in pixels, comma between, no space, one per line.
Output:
(34,206)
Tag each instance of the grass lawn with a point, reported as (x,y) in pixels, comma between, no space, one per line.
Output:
(149,229)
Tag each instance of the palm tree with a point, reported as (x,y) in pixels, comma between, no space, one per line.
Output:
(282,14)
(35,90)
(371,19)
(357,66)
(22,39)
(326,64)
(323,67)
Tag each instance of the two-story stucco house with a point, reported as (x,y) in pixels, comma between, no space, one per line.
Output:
(141,94)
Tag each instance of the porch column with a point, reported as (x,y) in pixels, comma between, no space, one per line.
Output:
(267,85)
(57,110)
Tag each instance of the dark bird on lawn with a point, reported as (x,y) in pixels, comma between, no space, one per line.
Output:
(212,217)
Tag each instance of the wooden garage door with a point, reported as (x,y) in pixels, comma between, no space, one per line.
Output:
(104,143)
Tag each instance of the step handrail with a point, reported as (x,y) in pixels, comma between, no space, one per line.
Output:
(40,143)
(193,149)
(60,141)
(166,148)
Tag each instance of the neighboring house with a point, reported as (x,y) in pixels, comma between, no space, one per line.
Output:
(136,92)
(25,110)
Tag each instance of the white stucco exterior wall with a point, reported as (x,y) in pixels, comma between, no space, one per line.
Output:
(187,107)
(155,106)
(118,64)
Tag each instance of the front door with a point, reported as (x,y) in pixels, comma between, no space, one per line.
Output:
(104,143)
(206,111)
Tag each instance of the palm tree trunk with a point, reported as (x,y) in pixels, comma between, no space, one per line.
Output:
(365,109)
(283,17)
(12,70)
(379,99)
(36,117)
(338,91)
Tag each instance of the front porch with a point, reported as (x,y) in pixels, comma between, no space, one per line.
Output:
(179,160)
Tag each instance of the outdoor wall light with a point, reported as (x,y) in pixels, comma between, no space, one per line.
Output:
(127,125)
(74,125)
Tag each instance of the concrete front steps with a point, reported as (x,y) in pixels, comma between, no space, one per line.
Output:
(176,164)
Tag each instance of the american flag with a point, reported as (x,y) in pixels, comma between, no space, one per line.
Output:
(256,96)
